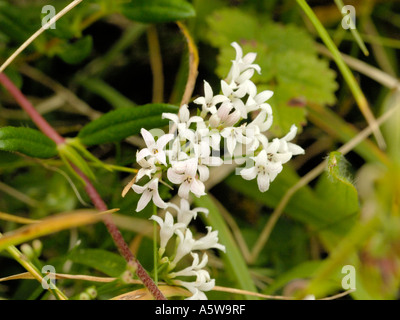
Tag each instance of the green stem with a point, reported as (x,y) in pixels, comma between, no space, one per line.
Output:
(155,251)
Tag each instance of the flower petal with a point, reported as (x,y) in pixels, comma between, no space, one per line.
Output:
(148,138)
(263,182)
(144,200)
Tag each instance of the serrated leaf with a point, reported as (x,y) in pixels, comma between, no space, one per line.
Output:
(307,76)
(27,141)
(157,11)
(73,53)
(122,123)
(107,262)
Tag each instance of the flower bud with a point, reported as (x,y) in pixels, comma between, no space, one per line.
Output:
(84,296)
(92,292)
(27,250)
(37,247)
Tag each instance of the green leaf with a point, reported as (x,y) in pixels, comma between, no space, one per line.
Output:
(109,263)
(305,205)
(335,189)
(234,261)
(76,52)
(27,141)
(122,123)
(157,11)
(304,270)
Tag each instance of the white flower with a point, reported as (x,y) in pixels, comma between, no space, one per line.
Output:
(254,130)
(193,269)
(203,283)
(149,191)
(167,228)
(154,149)
(287,146)
(233,135)
(148,167)
(185,245)
(184,173)
(209,101)
(209,241)
(204,134)
(254,103)
(241,64)
(224,117)
(197,295)
(235,96)
(264,169)
(185,214)
(203,154)
(183,121)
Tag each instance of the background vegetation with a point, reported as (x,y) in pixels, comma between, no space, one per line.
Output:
(336,205)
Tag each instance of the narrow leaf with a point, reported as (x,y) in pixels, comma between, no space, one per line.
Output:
(109,263)
(27,141)
(122,123)
(234,261)
(51,225)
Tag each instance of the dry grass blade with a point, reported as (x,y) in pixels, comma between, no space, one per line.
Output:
(17,219)
(29,276)
(144,294)
(53,224)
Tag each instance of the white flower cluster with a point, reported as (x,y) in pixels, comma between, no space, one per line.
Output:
(185,244)
(238,118)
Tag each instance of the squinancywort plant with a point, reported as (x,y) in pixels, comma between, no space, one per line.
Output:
(239,117)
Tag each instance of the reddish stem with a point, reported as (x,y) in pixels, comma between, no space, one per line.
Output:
(30,110)
(90,189)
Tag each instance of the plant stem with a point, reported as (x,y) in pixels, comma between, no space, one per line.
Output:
(155,253)
(31,268)
(90,189)
(30,110)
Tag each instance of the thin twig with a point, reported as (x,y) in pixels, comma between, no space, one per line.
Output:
(67,95)
(38,33)
(18,195)
(374,73)
(90,189)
